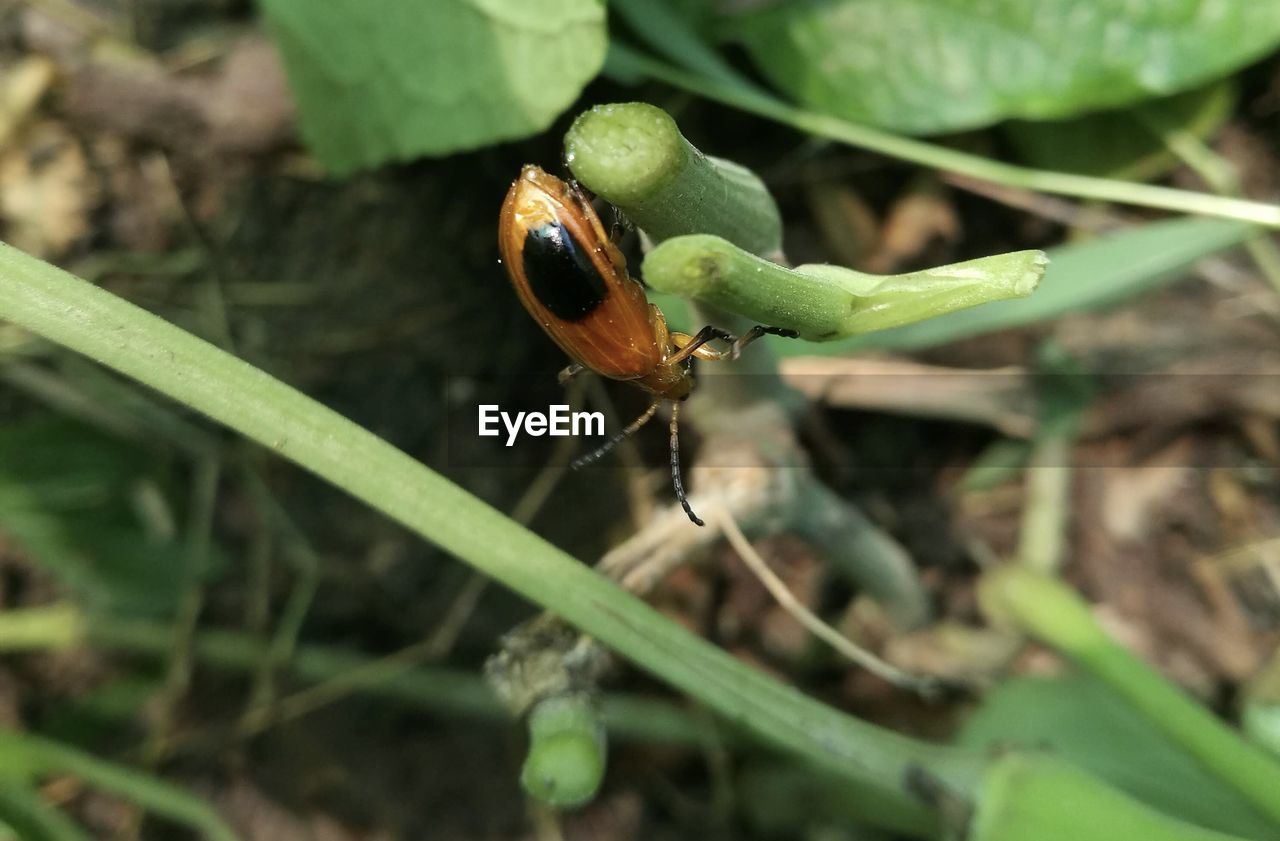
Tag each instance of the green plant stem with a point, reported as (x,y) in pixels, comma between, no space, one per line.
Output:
(862,552)
(50,628)
(436,689)
(631,63)
(204,496)
(306,568)
(1042,538)
(822,302)
(36,756)
(1219,174)
(1051,612)
(66,310)
(24,812)
(633,155)
(1065,393)
(1082,276)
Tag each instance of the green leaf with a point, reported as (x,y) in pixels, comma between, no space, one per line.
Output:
(1080,720)
(1114,144)
(1083,276)
(929,66)
(381,81)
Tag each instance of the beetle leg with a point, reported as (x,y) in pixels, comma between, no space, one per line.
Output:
(694,345)
(570,371)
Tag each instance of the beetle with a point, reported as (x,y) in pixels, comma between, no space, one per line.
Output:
(573,280)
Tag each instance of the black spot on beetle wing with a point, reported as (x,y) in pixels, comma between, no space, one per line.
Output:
(561,274)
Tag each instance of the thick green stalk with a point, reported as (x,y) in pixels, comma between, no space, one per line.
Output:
(633,155)
(66,310)
(1048,610)
(630,63)
(824,302)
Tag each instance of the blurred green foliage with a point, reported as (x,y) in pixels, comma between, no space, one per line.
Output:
(381,82)
(96,512)
(928,67)
(1082,721)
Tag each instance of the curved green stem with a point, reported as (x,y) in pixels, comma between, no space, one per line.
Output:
(746,98)
(24,812)
(824,302)
(1050,611)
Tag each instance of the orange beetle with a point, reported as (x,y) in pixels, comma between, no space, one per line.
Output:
(573,280)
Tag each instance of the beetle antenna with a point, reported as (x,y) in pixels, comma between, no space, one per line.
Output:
(583,461)
(675,466)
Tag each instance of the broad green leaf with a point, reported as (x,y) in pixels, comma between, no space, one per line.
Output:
(1083,276)
(928,66)
(1116,144)
(378,80)
(1080,720)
